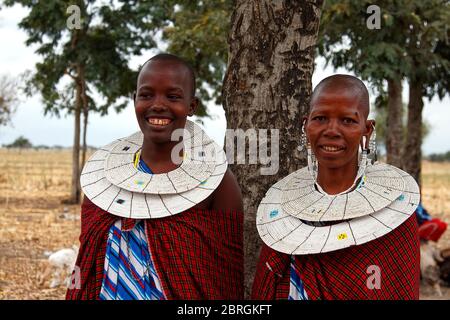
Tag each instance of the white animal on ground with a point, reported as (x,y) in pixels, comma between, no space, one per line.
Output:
(430,256)
(60,264)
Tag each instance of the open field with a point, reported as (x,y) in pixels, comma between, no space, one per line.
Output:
(436,199)
(33,219)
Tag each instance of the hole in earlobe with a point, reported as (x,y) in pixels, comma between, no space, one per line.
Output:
(363,144)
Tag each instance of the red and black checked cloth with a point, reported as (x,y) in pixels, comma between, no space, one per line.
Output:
(343,274)
(198,254)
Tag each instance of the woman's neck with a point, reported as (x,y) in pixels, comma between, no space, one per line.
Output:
(158,156)
(337,180)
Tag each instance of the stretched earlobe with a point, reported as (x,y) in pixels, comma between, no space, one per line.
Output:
(303,138)
(364,142)
(370,127)
(193,106)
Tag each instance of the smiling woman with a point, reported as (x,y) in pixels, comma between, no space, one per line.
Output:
(335,127)
(343,227)
(164,98)
(157,229)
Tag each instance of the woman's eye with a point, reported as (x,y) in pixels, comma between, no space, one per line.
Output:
(319,118)
(349,120)
(173,97)
(144,95)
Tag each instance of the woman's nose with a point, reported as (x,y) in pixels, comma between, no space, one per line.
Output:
(158,104)
(332,129)
(158,107)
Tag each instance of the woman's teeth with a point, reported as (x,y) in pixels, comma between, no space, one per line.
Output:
(331,149)
(159,122)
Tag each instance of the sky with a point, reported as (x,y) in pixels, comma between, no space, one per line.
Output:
(29,120)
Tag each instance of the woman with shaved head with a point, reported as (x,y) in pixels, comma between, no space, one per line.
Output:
(342,227)
(160,222)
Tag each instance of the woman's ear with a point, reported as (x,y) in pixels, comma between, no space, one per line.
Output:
(303,128)
(134,98)
(370,126)
(304,122)
(304,119)
(193,106)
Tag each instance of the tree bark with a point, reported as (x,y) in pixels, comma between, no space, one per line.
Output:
(267,86)
(413,148)
(394,127)
(76,188)
(75,193)
(84,98)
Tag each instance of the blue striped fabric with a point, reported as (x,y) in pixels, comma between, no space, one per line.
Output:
(129,277)
(296,289)
(129,272)
(142,166)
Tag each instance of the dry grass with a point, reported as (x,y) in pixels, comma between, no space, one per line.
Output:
(34,183)
(32,186)
(436,199)
(436,193)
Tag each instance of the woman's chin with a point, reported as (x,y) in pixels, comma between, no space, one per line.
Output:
(158,137)
(336,163)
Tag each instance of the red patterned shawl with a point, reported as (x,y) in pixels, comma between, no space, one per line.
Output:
(198,254)
(343,274)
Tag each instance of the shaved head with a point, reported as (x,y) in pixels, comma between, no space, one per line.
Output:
(344,85)
(167,57)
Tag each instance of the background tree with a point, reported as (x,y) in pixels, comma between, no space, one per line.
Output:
(95,56)
(440,157)
(197,31)
(372,54)
(21,142)
(79,63)
(8,98)
(381,112)
(428,49)
(267,86)
(405,47)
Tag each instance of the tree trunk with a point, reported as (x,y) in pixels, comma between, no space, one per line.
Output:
(413,148)
(76,188)
(85,117)
(394,126)
(85,123)
(267,86)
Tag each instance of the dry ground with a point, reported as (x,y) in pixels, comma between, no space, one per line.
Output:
(33,219)
(436,199)
(32,186)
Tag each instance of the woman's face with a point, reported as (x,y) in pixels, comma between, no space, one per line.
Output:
(163,100)
(335,127)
